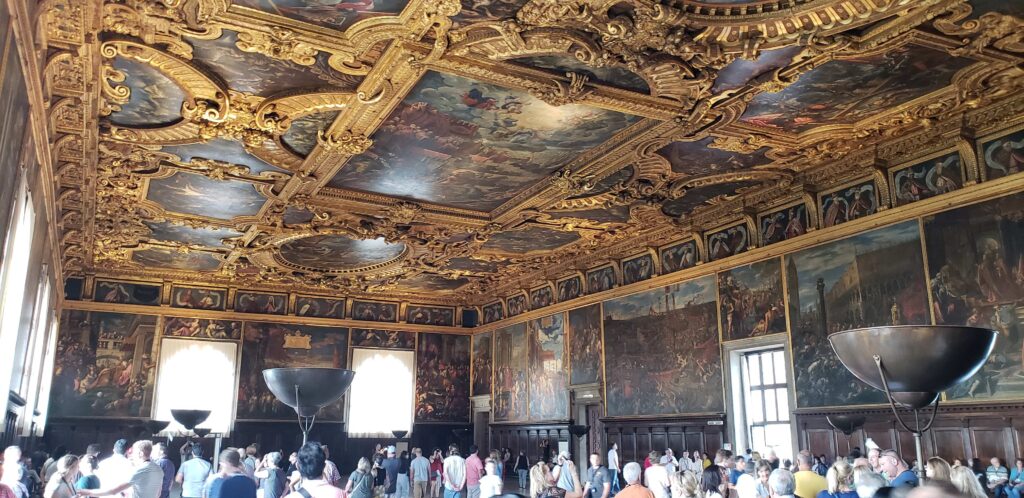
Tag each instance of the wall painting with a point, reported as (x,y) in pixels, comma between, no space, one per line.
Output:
(201,328)
(1002,156)
(199,298)
(493,312)
(258,302)
(510,399)
(385,339)
(549,382)
(374,311)
(637,269)
(848,203)
(750,300)
(516,305)
(430,315)
(873,278)
(663,347)
(728,242)
(126,293)
(927,178)
(570,288)
(482,362)
(541,297)
(319,307)
(285,345)
(678,257)
(783,224)
(600,279)
(442,378)
(585,345)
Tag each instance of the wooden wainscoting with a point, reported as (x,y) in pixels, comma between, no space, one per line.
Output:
(960,431)
(636,438)
(528,438)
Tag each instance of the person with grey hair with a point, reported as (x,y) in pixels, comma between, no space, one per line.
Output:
(868,483)
(656,477)
(808,482)
(360,483)
(634,489)
(896,468)
(781,484)
(269,476)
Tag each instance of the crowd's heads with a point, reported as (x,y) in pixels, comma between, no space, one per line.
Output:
(229,458)
(197,450)
(453,449)
(839,477)
(93,449)
(781,483)
(120,446)
(595,459)
(868,483)
(631,472)
(711,480)
(654,456)
(891,463)
(685,484)
(804,460)
(142,450)
(159,450)
(88,464)
(311,461)
(937,469)
(363,465)
(491,468)
(252,449)
(538,478)
(966,482)
(764,469)
(274,458)
(67,465)
(473,449)
(12,455)
(391,451)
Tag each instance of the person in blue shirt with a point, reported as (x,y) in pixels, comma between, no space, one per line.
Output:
(998,478)
(896,467)
(232,481)
(1016,484)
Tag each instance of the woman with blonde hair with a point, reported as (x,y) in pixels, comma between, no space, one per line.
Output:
(542,482)
(840,481)
(966,482)
(684,484)
(937,469)
(60,484)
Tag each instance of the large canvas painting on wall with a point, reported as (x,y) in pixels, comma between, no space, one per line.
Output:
(585,345)
(105,364)
(873,278)
(280,345)
(662,349)
(750,300)
(481,364)
(442,378)
(549,392)
(510,400)
(976,265)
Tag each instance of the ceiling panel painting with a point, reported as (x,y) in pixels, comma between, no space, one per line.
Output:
(699,158)
(219,149)
(434,283)
(472,265)
(608,75)
(170,259)
(296,216)
(339,253)
(849,90)
(1006,7)
(338,15)
(696,197)
(530,239)
(740,71)
(607,183)
(155,99)
(262,75)
(612,214)
(193,194)
(302,134)
(487,10)
(210,237)
(467,144)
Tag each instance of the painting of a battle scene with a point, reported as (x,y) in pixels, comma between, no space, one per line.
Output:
(285,345)
(386,339)
(585,345)
(105,364)
(201,328)
(637,269)
(549,393)
(600,279)
(848,204)
(493,312)
(1003,156)
(570,288)
(541,297)
(663,347)
(728,242)
(516,305)
(199,298)
(442,378)
(510,397)
(873,278)
(678,257)
(320,307)
(750,300)
(481,364)
(126,293)
(928,179)
(257,302)
(976,264)
(783,224)
(430,315)
(497,141)
(374,312)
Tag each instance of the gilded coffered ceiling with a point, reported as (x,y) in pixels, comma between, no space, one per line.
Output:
(453,152)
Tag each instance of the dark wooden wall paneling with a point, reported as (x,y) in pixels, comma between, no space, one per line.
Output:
(636,438)
(272,436)
(958,432)
(528,438)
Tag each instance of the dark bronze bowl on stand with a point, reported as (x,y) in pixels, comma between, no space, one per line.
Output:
(307,390)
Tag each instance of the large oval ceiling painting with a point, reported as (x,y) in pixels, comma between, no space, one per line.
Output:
(338,253)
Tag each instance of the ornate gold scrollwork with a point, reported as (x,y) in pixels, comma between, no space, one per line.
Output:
(564,93)
(344,143)
(280,43)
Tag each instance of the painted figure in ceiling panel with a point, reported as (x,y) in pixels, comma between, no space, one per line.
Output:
(337,252)
(434,283)
(197,195)
(488,10)
(700,158)
(849,90)
(741,71)
(170,259)
(211,237)
(473,145)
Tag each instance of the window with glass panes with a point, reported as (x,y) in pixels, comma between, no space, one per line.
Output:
(766,400)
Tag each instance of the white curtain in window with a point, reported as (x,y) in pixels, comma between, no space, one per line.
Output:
(196,375)
(381,397)
(43,394)
(14,274)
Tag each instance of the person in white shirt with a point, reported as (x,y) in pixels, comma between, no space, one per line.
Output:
(656,477)
(669,461)
(454,473)
(490,484)
(116,468)
(145,480)
(613,467)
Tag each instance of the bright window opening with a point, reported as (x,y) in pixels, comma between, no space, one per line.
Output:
(381,396)
(766,402)
(197,375)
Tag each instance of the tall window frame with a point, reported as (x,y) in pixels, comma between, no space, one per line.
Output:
(765,387)
(14,274)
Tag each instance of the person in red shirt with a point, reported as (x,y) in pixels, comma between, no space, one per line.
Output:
(436,469)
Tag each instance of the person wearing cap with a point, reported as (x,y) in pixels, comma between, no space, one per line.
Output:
(474,471)
(391,466)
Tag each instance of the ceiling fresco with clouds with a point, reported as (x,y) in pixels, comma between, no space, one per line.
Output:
(452,152)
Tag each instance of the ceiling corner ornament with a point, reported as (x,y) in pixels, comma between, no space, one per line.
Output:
(344,142)
(237,116)
(280,43)
(563,93)
(991,29)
